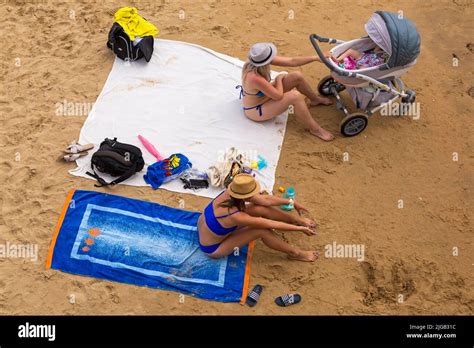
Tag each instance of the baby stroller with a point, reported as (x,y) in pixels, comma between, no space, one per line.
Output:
(374,87)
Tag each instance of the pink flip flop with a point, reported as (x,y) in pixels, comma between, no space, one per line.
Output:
(75,147)
(72,156)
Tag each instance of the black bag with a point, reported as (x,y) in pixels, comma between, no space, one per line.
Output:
(120,43)
(116,159)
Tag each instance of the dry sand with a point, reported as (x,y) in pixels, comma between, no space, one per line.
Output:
(48,56)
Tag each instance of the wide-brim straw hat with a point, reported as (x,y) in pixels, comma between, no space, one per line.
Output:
(244,186)
(262,53)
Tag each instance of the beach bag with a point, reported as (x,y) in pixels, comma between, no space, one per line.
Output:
(116,159)
(222,173)
(166,170)
(119,42)
(235,168)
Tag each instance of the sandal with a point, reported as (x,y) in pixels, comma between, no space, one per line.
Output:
(75,147)
(254,295)
(288,300)
(72,156)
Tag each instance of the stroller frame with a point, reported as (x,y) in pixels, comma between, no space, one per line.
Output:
(354,123)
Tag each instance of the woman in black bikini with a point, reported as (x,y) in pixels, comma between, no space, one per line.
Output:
(240,215)
(263,100)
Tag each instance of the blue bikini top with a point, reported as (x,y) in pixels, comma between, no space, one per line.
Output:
(243,92)
(214,224)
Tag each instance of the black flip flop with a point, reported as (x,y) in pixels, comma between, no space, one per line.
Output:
(254,295)
(288,300)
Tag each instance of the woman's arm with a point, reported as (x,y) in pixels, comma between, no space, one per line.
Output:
(244,219)
(274,92)
(268,201)
(294,61)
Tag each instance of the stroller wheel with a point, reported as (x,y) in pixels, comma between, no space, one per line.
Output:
(411,97)
(407,102)
(354,124)
(324,86)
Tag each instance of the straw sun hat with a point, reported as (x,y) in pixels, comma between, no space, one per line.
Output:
(244,186)
(262,53)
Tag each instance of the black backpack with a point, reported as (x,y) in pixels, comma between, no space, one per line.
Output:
(120,43)
(116,159)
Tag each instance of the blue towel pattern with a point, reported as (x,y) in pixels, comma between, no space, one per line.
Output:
(142,243)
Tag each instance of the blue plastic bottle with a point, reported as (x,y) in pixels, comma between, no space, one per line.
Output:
(289,194)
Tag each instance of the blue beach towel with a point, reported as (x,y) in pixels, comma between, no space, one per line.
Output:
(143,243)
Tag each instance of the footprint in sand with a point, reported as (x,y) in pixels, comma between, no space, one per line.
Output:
(220,29)
(375,285)
(471,92)
(112,294)
(19,177)
(2,221)
(78,284)
(401,280)
(5,167)
(172,29)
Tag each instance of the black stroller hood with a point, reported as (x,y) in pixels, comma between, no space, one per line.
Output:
(404,39)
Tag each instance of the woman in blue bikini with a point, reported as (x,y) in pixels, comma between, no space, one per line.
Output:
(240,215)
(264,100)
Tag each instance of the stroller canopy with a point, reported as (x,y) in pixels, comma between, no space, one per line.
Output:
(396,36)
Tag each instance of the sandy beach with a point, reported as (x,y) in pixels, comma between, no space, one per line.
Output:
(56,51)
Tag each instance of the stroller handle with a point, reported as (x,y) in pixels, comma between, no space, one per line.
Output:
(314,38)
(324,39)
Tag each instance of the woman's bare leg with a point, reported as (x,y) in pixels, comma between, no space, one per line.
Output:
(245,235)
(296,80)
(273,108)
(271,213)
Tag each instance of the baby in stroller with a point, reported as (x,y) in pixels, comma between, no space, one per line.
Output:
(353,59)
(370,68)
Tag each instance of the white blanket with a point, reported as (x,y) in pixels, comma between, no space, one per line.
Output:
(183,101)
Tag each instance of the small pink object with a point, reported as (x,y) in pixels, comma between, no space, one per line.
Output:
(350,63)
(151,149)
